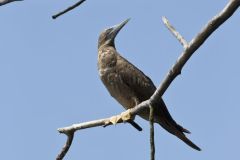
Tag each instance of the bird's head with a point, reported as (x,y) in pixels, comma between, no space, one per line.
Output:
(108,35)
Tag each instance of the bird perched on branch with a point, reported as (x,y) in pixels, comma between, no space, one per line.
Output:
(130,86)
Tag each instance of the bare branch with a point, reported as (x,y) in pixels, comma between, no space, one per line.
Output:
(175,33)
(151,121)
(84,125)
(125,116)
(70,130)
(3,2)
(68,9)
(70,136)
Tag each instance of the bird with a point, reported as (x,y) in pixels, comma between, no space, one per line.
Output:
(3,2)
(130,86)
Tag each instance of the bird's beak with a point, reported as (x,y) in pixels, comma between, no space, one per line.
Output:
(117,28)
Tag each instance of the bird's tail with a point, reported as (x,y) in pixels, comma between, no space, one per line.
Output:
(187,141)
(164,118)
(178,131)
(183,129)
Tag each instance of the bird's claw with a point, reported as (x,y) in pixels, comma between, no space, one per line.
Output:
(123,117)
(126,116)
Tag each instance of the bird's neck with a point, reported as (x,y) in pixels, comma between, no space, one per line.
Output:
(104,46)
(107,58)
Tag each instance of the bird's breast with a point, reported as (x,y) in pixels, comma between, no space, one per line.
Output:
(111,79)
(108,68)
(117,88)
(106,59)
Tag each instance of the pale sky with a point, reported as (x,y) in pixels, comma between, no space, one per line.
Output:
(49,79)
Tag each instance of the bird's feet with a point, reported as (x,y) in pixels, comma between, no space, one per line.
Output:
(123,117)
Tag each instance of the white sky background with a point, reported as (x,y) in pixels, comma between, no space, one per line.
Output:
(49,79)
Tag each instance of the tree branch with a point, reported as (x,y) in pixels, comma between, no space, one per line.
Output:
(175,33)
(68,9)
(123,117)
(3,2)
(195,43)
(66,147)
(152,144)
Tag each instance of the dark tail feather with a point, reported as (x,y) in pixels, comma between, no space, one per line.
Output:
(183,129)
(177,130)
(135,125)
(186,131)
(187,141)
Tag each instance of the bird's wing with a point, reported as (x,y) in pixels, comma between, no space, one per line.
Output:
(135,79)
(144,88)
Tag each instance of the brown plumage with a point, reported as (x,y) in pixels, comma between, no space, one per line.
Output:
(130,86)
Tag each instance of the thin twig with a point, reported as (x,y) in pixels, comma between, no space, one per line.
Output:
(84,125)
(3,2)
(68,9)
(151,121)
(66,147)
(174,32)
